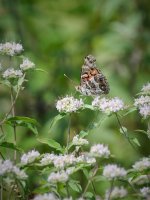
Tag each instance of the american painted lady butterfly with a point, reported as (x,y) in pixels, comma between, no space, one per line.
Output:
(93,82)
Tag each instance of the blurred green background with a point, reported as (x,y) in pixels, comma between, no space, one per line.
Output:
(56,36)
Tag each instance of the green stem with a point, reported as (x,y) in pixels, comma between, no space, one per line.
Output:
(14,126)
(68,136)
(1,190)
(125,134)
(67,189)
(111,188)
(90,181)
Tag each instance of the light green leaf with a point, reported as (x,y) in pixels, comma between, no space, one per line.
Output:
(82,134)
(56,119)
(89,106)
(123,130)
(130,111)
(135,140)
(41,70)
(51,143)
(75,186)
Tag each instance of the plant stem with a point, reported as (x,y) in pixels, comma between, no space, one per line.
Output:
(90,181)
(67,189)
(1,191)
(68,136)
(14,126)
(12,105)
(125,134)
(111,188)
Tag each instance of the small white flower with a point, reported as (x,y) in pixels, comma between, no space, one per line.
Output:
(70,170)
(69,104)
(85,158)
(12,73)
(7,166)
(47,196)
(146,88)
(30,157)
(112,171)
(11,48)
(19,173)
(100,150)
(143,179)
(116,193)
(141,165)
(108,105)
(79,141)
(142,100)
(145,110)
(61,176)
(62,161)
(27,64)
(145,191)
(48,159)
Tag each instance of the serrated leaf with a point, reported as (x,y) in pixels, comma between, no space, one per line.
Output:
(25,122)
(89,195)
(56,119)
(10,146)
(75,186)
(135,140)
(51,143)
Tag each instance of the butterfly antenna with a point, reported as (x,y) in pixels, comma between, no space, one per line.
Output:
(70,79)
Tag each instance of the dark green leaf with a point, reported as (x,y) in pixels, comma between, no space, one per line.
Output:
(25,122)
(10,146)
(75,186)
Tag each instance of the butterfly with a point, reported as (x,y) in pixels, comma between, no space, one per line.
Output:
(93,82)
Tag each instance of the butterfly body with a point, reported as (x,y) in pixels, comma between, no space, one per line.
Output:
(93,82)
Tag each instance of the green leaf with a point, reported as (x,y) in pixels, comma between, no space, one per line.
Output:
(88,195)
(82,134)
(135,140)
(56,119)
(141,131)
(130,111)
(25,122)
(89,106)
(10,146)
(75,186)
(51,143)
(123,130)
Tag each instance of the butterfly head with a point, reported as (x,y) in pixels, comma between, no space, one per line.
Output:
(89,60)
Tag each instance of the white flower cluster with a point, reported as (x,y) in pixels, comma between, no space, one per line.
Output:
(116,193)
(108,105)
(112,171)
(46,196)
(143,102)
(146,88)
(60,176)
(59,161)
(7,166)
(10,48)
(141,165)
(30,157)
(78,141)
(100,150)
(86,158)
(27,64)
(140,180)
(69,104)
(12,73)
(145,192)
